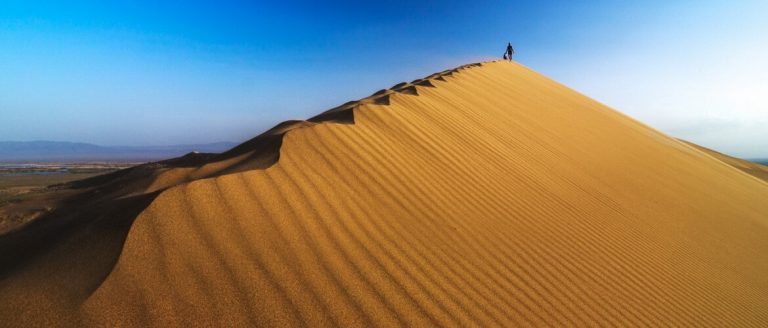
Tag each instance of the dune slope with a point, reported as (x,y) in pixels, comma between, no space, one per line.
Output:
(489,196)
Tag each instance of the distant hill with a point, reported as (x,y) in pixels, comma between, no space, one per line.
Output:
(52,151)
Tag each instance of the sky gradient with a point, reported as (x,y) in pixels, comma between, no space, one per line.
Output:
(148,73)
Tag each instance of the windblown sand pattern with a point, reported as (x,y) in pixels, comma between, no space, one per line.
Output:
(484,196)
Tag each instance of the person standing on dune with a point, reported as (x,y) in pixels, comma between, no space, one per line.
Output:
(509,52)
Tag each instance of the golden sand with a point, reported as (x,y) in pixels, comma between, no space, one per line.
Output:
(489,196)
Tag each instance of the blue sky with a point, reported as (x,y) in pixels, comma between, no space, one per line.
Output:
(153,73)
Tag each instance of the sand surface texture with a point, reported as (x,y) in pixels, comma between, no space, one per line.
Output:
(485,196)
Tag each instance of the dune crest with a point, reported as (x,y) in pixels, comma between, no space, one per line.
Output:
(485,195)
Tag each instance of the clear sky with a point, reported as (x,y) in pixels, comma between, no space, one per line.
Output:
(154,73)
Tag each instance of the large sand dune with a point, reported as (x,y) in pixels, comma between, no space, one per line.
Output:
(488,195)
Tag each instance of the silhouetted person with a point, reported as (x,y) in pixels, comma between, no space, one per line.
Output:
(509,52)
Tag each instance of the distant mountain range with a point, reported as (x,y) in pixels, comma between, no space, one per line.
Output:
(57,151)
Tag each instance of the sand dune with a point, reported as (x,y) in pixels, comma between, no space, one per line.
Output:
(487,195)
(758,170)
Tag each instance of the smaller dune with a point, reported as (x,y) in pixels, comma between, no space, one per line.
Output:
(757,170)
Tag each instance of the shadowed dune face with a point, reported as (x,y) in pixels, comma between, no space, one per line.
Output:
(487,195)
